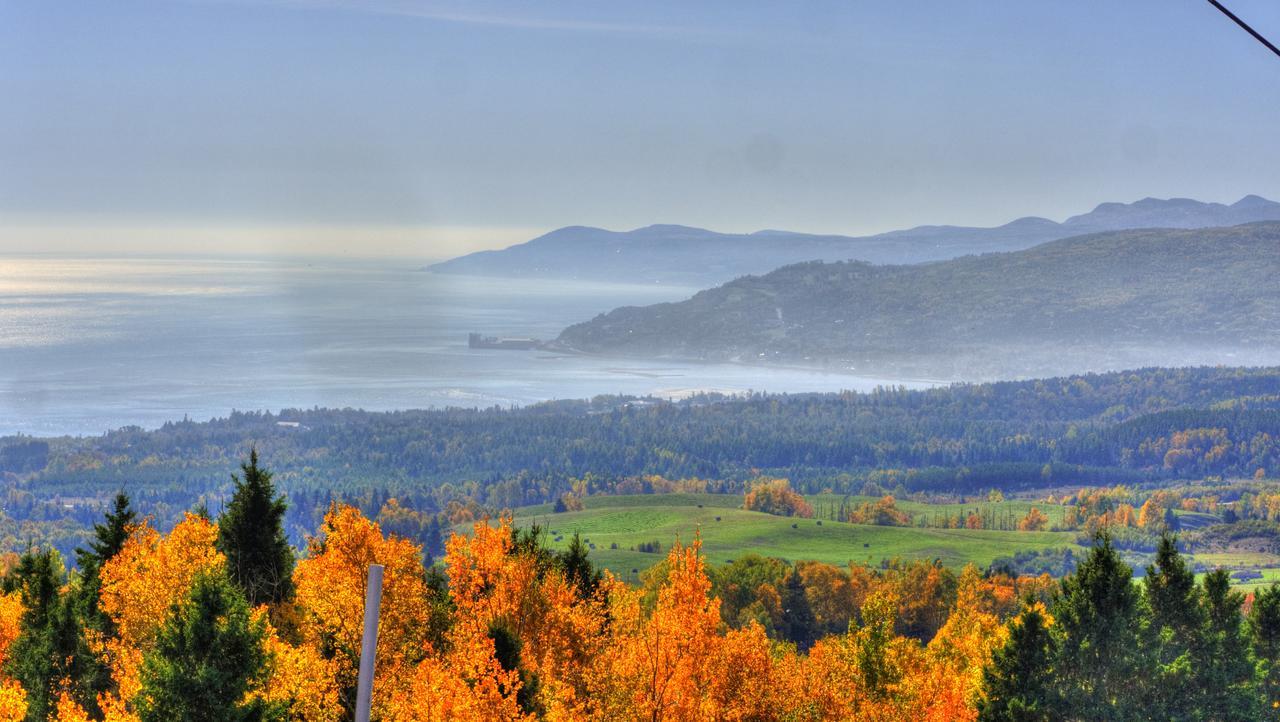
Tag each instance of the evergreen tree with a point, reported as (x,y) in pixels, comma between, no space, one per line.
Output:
(1264,641)
(1019,681)
(208,655)
(578,569)
(1174,637)
(506,650)
(1099,663)
(251,535)
(110,535)
(435,538)
(798,622)
(1224,668)
(37,657)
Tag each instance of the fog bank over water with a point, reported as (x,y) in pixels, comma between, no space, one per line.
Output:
(90,344)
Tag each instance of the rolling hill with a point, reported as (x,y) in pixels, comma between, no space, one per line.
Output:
(728,531)
(694,256)
(1093,302)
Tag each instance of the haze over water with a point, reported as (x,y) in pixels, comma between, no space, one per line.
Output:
(91,344)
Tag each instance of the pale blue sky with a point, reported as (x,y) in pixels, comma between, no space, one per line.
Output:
(419,127)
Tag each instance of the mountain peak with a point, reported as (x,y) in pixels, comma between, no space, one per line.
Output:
(1251,202)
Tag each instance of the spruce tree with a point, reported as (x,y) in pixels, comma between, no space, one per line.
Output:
(506,650)
(1099,664)
(1174,637)
(1224,669)
(1018,683)
(109,537)
(578,569)
(1264,641)
(207,656)
(799,626)
(251,535)
(37,657)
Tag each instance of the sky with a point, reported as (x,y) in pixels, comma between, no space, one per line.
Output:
(426,129)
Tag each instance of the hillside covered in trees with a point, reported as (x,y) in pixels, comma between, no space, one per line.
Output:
(1152,426)
(1109,300)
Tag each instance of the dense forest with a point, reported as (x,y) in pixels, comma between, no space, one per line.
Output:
(220,620)
(1151,426)
(1108,300)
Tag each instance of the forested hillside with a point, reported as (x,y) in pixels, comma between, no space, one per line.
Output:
(1084,303)
(1151,425)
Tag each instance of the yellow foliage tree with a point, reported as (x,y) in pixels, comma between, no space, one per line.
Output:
(139,585)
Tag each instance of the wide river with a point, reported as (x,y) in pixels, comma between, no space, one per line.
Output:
(91,344)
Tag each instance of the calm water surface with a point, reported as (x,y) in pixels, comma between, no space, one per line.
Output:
(90,344)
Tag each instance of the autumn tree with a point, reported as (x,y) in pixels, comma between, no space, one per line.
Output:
(141,584)
(251,536)
(774,496)
(658,664)
(208,657)
(330,587)
(1035,520)
(884,512)
(13,699)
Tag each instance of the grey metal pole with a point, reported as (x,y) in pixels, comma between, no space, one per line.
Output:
(369,643)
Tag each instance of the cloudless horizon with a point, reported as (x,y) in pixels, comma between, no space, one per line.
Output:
(429,129)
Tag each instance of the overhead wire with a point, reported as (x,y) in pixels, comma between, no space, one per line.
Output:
(1246,27)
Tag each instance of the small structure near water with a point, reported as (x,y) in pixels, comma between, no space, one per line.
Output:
(476,340)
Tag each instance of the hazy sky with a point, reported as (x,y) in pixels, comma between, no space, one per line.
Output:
(428,128)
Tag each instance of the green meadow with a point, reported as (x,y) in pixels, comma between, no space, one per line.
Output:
(617,525)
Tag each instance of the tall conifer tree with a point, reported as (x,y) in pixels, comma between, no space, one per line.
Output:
(251,535)
(1099,665)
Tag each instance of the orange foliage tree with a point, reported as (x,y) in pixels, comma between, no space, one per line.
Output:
(330,588)
(1035,520)
(774,496)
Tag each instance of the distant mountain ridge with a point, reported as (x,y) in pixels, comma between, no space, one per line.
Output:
(1119,299)
(696,256)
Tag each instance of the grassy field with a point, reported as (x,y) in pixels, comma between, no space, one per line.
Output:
(1012,510)
(729,532)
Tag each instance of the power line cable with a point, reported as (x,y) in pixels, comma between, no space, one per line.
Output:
(1245,25)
